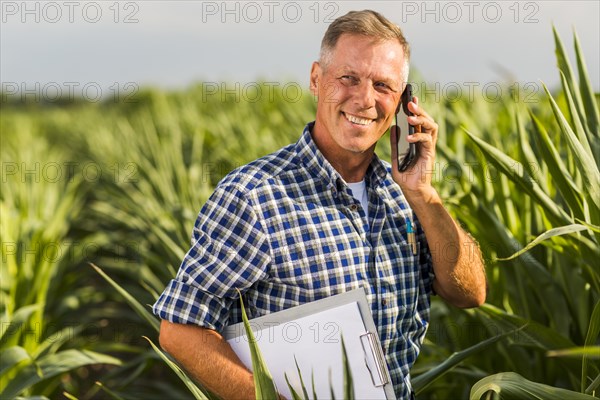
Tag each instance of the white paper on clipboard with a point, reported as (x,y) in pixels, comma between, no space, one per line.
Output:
(310,335)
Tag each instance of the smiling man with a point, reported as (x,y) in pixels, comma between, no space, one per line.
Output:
(323,216)
(358,82)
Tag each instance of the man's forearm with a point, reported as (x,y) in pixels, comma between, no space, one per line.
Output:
(459,271)
(208,359)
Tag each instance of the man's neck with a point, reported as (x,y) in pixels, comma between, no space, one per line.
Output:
(351,166)
(352,169)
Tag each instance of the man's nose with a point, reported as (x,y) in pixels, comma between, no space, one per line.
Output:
(364,96)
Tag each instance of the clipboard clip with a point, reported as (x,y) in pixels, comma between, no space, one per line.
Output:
(374,359)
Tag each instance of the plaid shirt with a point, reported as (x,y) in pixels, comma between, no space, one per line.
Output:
(286,230)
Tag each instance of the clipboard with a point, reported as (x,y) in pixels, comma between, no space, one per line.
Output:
(310,335)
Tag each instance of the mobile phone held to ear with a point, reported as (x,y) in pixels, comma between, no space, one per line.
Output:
(407,152)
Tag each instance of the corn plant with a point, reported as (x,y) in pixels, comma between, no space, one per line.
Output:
(531,200)
(38,208)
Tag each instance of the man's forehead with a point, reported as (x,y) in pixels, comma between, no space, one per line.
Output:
(389,48)
(344,61)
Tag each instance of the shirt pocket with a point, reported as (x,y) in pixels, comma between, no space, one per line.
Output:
(315,249)
(311,265)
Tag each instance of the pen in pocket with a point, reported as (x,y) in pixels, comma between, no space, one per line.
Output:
(410,233)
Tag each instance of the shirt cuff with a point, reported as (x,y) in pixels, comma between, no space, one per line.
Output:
(185,304)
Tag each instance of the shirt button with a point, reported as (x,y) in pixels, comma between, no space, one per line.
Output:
(353,207)
(383,302)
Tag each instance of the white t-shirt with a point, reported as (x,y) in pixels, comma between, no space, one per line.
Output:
(359,190)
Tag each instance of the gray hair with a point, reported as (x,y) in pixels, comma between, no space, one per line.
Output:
(367,23)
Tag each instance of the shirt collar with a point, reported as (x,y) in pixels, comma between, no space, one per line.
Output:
(316,163)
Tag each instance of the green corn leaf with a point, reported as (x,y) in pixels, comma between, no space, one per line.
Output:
(577,125)
(514,171)
(593,386)
(591,227)
(178,252)
(189,383)
(69,396)
(545,286)
(52,343)
(11,357)
(51,366)
(510,385)
(563,230)
(11,328)
(421,382)
(590,339)
(577,352)
(295,395)
(557,169)
(263,380)
(587,92)
(527,155)
(564,67)
(331,391)
(583,157)
(304,391)
(348,382)
(312,380)
(136,305)
(533,335)
(110,393)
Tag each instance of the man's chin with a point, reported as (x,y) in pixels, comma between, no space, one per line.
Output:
(358,147)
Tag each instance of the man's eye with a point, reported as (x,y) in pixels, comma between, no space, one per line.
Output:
(348,79)
(382,86)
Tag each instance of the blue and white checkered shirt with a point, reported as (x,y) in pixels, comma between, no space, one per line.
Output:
(286,230)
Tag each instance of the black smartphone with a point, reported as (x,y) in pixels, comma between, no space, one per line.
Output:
(407,152)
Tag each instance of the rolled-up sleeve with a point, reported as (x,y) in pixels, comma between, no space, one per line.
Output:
(229,252)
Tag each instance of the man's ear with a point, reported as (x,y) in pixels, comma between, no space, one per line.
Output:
(315,75)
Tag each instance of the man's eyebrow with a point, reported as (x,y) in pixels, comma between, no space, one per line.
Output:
(346,70)
(394,84)
(387,80)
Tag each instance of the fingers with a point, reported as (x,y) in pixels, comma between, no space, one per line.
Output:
(427,124)
(422,138)
(421,118)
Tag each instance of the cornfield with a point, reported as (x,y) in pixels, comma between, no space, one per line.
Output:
(118,185)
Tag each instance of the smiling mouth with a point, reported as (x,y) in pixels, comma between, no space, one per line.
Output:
(358,120)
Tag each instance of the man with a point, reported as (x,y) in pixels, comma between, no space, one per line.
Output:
(324,216)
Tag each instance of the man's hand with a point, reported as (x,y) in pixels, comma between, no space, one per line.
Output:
(459,271)
(416,180)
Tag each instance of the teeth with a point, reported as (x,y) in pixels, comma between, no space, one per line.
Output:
(357,120)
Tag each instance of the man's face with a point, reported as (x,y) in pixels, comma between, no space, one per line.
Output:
(358,92)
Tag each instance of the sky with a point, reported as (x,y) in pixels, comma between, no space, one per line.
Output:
(104,48)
